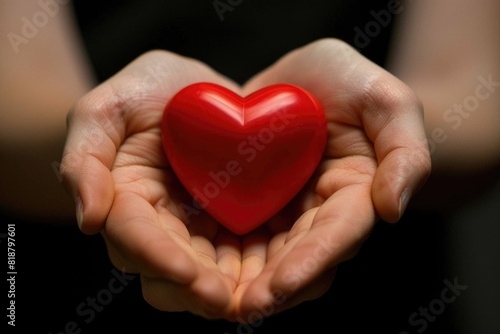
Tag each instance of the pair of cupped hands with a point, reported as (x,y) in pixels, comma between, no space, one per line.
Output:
(114,166)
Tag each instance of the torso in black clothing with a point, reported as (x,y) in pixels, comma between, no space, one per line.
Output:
(237,40)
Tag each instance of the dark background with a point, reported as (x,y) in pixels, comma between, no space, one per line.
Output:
(400,268)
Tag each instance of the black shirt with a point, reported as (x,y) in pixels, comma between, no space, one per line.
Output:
(237,40)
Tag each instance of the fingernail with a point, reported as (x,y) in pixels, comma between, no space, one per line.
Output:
(79,212)
(403,201)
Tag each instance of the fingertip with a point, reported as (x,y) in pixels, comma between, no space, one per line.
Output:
(96,194)
(214,291)
(404,199)
(258,300)
(79,212)
(397,180)
(388,198)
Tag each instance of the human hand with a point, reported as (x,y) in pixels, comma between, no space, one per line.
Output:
(114,167)
(376,159)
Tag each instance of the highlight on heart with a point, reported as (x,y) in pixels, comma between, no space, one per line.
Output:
(248,149)
(242,159)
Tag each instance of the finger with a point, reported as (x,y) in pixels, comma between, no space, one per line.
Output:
(337,230)
(356,92)
(254,258)
(94,133)
(314,290)
(257,293)
(281,303)
(117,259)
(208,295)
(228,249)
(403,154)
(152,243)
(254,255)
(181,269)
(102,119)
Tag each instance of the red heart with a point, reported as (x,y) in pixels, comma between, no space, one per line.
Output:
(243,159)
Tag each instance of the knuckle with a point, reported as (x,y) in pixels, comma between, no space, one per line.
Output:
(330,42)
(72,163)
(104,105)
(333,47)
(387,93)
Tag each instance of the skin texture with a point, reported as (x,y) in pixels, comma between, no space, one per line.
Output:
(127,191)
(376,161)
(440,49)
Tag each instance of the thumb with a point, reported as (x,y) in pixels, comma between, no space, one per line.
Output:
(101,120)
(404,164)
(95,130)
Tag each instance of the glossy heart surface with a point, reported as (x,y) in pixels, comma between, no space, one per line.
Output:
(243,159)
